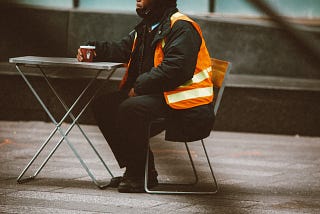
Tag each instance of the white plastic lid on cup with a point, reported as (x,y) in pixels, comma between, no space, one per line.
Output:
(88,47)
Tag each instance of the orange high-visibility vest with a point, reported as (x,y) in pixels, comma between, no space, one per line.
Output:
(197,91)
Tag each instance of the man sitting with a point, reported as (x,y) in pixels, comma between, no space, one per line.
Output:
(168,75)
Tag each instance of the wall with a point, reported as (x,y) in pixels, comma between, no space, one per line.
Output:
(47,3)
(256,48)
(291,8)
(190,6)
(33,32)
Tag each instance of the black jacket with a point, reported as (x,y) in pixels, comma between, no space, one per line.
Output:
(180,56)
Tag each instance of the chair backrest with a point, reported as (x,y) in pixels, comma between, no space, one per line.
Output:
(220,71)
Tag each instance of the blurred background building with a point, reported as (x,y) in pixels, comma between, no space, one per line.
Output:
(290,8)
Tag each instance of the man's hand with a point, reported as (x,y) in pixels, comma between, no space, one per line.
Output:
(80,56)
(132,93)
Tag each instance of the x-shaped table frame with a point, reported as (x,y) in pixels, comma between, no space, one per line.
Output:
(39,62)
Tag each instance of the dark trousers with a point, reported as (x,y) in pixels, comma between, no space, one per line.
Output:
(124,123)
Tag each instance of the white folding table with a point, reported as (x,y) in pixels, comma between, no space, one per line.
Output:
(58,62)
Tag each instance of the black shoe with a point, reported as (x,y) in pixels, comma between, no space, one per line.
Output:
(132,184)
(114,182)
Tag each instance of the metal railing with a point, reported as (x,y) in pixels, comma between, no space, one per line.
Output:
(212,5)
(75,3)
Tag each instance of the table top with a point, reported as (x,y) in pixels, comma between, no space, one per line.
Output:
(64,62)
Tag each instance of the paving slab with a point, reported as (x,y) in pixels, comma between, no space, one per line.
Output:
(257,174)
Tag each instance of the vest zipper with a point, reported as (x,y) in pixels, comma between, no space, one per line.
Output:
(142,50)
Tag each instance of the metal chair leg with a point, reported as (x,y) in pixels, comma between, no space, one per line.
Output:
(211,170)
(192,164)
(146,170)
(196,179)
(194,171)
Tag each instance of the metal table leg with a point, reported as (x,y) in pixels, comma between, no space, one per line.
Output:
(59,129)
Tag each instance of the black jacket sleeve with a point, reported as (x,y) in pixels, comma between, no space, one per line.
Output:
(180,58)
(114,51)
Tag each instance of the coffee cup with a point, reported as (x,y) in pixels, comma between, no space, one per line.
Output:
(87,52)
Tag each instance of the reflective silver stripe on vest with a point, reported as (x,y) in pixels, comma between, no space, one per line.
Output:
(190,94)
(199,77)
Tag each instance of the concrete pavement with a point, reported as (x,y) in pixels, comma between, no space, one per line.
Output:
(257,174)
